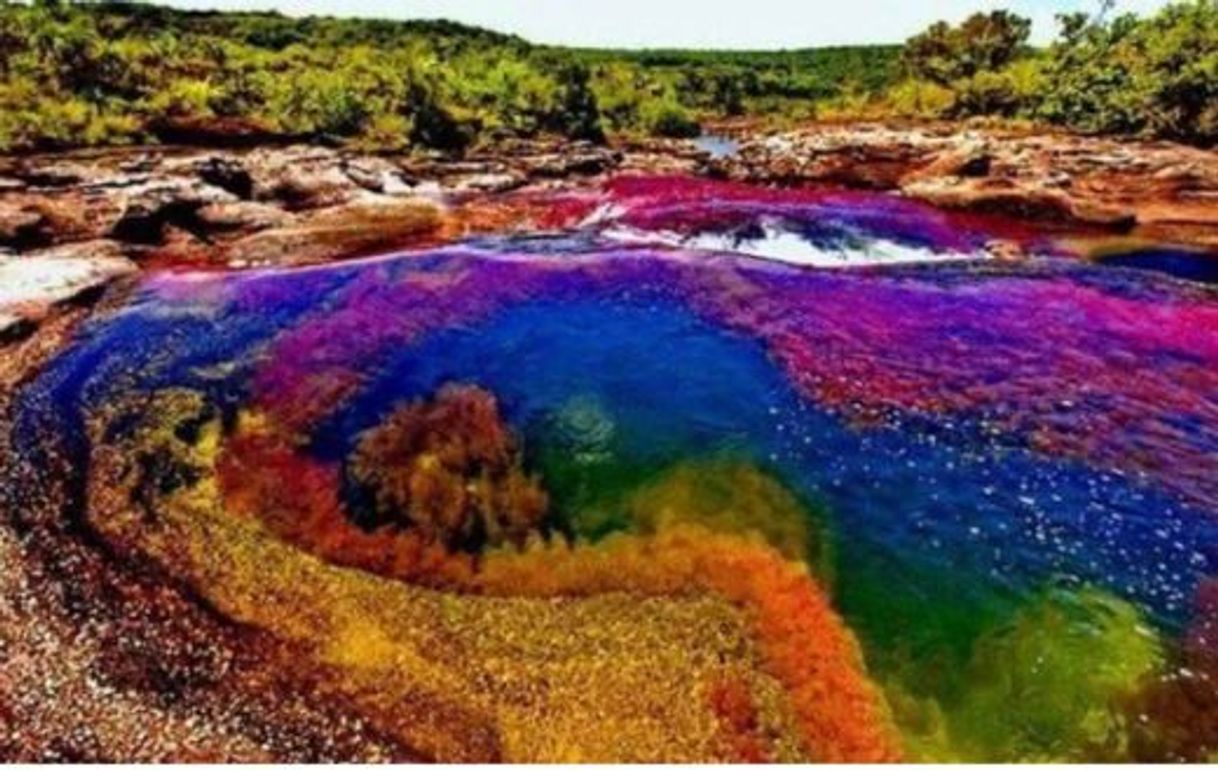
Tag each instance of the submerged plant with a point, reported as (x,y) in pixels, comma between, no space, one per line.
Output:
(1046,686)
(730,497)
(450,469)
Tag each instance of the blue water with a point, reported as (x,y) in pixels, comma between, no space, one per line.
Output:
(1189,265)
(920,518)
(923,520)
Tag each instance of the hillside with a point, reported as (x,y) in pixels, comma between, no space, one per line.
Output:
(115,73)
(94,74)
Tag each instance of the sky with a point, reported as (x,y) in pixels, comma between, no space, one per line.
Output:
(760,24)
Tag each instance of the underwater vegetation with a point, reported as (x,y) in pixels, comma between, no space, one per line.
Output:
(448,470)
(605,494)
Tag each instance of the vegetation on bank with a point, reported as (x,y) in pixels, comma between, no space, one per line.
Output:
(1156,76)
(112,73)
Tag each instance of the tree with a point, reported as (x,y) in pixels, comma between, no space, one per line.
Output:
(577,114)
(982,43)
(1129,75)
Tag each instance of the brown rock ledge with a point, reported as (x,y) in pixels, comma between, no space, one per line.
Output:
(1156,190)
(72,222)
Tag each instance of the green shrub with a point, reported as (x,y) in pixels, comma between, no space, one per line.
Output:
(1008,93)
(73,74)
(576,113)
(920,99)
(669,119)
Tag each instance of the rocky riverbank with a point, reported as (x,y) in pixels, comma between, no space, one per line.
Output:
(1156,190)
(72,224)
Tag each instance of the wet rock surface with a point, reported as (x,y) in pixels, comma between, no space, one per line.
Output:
(71,223)
(142,199)
(1157,189)
(36,286)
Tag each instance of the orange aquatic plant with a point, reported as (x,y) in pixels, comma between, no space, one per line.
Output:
(801,640)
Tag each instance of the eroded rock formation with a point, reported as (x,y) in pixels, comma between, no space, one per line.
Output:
(1158,190)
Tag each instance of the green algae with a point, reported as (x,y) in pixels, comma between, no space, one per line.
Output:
(732,497)
(1046,685)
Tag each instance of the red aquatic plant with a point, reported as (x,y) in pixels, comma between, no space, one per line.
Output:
(263,477)
(739,722)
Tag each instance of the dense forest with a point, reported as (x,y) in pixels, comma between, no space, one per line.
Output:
(110,73)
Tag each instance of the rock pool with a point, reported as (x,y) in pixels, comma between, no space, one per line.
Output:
(957,504)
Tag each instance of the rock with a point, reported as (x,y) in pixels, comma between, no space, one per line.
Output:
(565,164)
(240,217)
(1020,200)
(470,168)
(300,178)
(149,208)
(82,215)
(488,183)
(144,163)
(1005,251)
(364,225)
(100,249)
(213,131)
(13,327)
(1157,189)
(312,189)
(377,175)
(369,224)
(34,285)
(226,174)
(966,162)
(21,226)
(36,173)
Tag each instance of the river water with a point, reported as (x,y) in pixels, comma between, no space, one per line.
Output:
(1008,466)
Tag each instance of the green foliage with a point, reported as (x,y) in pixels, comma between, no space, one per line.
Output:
(107,73)
(982,43)
(913,98)
(621,91)
(668,118)
(1156,76)
(1049,683)
(1046,686)
(1010,92)
(576,112)
(321,103)
(102,73)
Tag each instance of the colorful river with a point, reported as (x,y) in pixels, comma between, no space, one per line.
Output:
(856,420)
